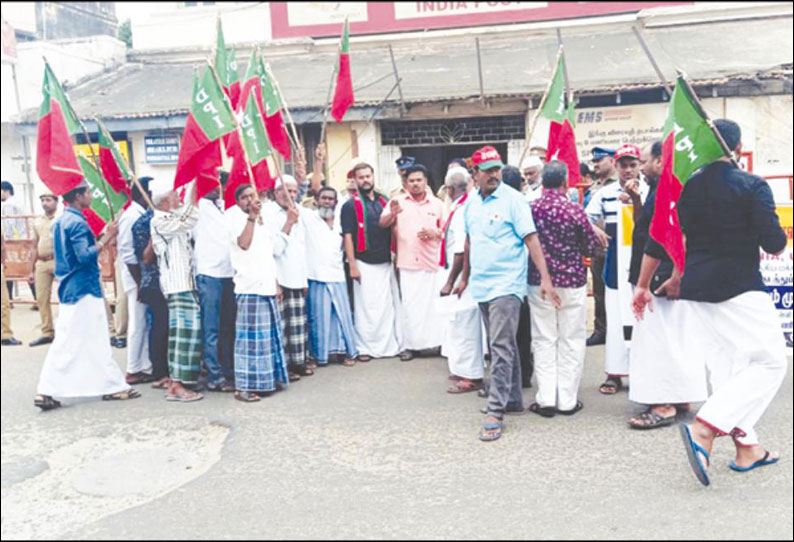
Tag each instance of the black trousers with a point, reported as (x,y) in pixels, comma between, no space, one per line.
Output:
(524,338)
(158,332)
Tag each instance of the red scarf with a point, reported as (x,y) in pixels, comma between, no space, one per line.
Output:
(455,207)
(362,240)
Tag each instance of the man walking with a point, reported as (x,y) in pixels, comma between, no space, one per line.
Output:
(331,330)
(416,219)
(368,250)
(726,216)
(499,226)
(558,333)
(80,362)
(44,266)
(259,361)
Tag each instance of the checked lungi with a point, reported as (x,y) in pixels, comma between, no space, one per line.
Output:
(259,361)
(184,337)
(293,319)
(331,328)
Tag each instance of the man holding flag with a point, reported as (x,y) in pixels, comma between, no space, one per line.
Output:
(727,215)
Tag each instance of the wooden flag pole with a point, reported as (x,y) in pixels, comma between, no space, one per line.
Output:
(539,109)
(87,139)
(135,181)
(728,152)
(296,140)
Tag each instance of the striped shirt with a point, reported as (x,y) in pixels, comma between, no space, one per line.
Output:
(171,243)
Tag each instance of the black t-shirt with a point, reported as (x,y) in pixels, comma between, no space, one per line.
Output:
(727,215)
(641,243)
(379,239)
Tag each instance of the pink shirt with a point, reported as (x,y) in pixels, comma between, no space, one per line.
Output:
(413,253)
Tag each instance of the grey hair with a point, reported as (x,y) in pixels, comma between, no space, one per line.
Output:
(457,178)
(554,174)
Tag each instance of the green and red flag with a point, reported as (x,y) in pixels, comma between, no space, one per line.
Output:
(56,163)
(274,121)
(209,119)
(688,144)
(226,67)
(233,78)
(111,162)
(343,93)
(105,202)
(561,144)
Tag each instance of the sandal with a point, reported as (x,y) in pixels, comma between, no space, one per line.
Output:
(406,355)
(611,386)
(187,397)
(293,376)
(491,431)
(303,370)
(464,385)
(349,362)
(311,365)
(224,387)
(546,412)
(246,396)
(138,378)
(650,420)
(45,402)
(364,358)
(162,384)
(131,393)
(579,406)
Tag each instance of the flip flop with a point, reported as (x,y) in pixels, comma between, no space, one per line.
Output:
(579,406)
(188,397)
(760,463)
(491,431)
(464,386)
(131,393)
(46,403)
(546,412)
(246,396)
(692,450)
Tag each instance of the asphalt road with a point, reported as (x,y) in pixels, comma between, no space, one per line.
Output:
(374,451)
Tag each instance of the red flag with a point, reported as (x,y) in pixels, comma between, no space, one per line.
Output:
(95,222)
(343,94)
(562,142)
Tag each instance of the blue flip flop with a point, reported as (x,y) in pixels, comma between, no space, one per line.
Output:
(491,426)
(692,450)
(760,463)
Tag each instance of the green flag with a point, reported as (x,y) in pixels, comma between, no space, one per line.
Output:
(210,108)
(100,190)
(255,139)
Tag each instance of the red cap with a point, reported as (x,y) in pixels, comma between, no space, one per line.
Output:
(632,151)
(486,158)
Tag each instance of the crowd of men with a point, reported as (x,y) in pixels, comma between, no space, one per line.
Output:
(260,294)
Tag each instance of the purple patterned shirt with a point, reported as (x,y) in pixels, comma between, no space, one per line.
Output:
(566,235)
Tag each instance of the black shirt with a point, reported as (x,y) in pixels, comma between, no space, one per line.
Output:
(379,239)
(641,243)
(726,215)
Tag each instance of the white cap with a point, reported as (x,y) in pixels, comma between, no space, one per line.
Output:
(286,179)
(532,160)
(160,188)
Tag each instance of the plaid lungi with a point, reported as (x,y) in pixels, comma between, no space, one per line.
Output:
(296,335)
(184,337)
(331,328)
(258,350)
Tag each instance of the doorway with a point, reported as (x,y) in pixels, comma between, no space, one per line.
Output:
(436,158)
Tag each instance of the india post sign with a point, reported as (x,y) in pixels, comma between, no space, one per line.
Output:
(161,148)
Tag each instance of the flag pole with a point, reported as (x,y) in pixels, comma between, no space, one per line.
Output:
(295,138)
(728,152)
(134,177)
(236,126)
(87,139)
(539,109)
(331,88)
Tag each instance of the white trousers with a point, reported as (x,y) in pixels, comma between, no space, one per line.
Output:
(616,352)
(375,312)
(558,345)
(80,361)
(463,344)
(421,324)
(661,371)
(137,335)
(742,343)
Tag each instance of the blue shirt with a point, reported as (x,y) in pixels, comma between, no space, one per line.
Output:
(141,234)
(76,251)
(496,227)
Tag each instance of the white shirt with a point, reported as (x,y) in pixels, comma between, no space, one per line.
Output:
(13,228)
(324,249)
(255,268)
(212,247)
(171,244)
(289,250)
(534,192)
(126,249)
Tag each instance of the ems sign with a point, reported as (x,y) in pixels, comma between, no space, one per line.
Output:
(161,148)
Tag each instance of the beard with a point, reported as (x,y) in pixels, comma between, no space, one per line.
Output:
(366,189)
(325,212)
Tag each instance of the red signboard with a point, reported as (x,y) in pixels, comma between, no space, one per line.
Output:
(320,19)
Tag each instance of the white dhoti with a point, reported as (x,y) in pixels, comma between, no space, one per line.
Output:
(420,321)
(137,335)
(375,315)
(661,370)
(742,343)
(616,351)
(558,345)
(463,336)
(80,361)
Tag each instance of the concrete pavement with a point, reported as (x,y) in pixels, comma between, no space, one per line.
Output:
(374,451)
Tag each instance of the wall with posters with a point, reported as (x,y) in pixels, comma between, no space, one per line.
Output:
(321,19)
